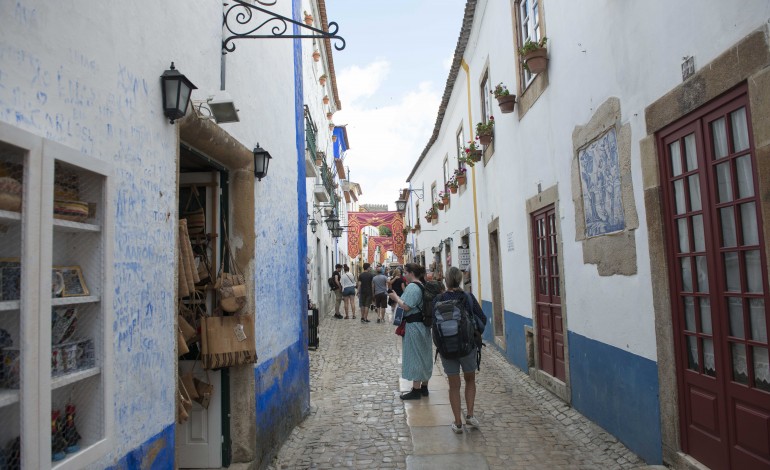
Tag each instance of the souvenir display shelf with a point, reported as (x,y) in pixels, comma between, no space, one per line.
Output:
(55,315)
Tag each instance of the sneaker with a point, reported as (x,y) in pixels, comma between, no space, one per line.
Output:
(363,320)
(457,429)
(424,390)
(413,394)
(472,421)
(337,315)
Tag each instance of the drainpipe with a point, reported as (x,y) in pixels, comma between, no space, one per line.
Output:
(473,180)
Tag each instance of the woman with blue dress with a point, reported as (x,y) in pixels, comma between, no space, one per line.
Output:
(417,350)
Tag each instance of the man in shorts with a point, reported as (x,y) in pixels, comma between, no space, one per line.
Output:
(380,283)
(365,291)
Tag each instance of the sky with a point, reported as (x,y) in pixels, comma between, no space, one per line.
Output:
(390,78)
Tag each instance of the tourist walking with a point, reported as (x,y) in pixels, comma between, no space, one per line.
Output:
(417,350)
(348,283)
(380,287)
(397,283)
(365,292)
(469,363)
(337,290)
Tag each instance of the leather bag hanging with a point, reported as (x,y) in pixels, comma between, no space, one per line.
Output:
(227,341)
(231,286)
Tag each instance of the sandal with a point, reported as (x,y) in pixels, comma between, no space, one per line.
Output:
(354,317)
(346,318)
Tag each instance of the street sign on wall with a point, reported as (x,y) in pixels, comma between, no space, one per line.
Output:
(464,256)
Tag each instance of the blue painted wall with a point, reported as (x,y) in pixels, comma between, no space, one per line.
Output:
(282,383)
(613,388)
(619,391)
(155,454)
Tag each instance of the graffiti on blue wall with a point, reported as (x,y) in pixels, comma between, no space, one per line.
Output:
(600,182)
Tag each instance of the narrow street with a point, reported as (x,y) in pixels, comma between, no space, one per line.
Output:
(358,421)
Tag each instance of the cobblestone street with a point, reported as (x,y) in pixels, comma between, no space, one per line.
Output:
(358,421)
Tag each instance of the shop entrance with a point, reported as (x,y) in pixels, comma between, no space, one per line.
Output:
(202,201)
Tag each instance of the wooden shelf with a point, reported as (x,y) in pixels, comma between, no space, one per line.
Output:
(8,216)
(84,299)
(9,305)
(66,379)
(75,227)
(8,397)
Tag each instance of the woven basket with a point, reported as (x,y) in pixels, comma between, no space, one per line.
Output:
(10,194)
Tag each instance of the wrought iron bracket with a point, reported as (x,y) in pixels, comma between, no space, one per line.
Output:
(241,22)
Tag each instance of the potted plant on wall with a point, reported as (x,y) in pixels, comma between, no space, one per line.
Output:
(434,214)
(460,176)
(505,99)
(452,185)
(308,19)
(429,214)
(472,153)
(322,80)
(326,99)
(316,55)
(331,126)
(485,131)
(534,55)
(444,195)
(329,115)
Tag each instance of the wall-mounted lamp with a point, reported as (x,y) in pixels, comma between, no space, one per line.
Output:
(336,232)
(176,90)
(401,203)
(313,224)
(333,222)
(448,241)
(261,162)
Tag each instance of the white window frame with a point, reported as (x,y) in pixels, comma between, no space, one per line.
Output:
(486,101)
(460,144)
(529,30)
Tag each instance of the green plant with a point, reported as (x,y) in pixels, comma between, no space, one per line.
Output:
(500,90)
(486,128)
(466,160)
(530,46)
(472,147)
(460,172)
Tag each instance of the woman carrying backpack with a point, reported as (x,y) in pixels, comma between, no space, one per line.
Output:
(416,361)
(468,363)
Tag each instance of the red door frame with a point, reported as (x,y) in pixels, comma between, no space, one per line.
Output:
(731,447)
(550,325)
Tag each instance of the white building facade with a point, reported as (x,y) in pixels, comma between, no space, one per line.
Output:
(600,228)
(81,117)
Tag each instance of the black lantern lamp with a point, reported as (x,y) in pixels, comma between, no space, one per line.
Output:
(401,205)
(337,232)
(176,89)
(313,224)
(261,162)
(333,222)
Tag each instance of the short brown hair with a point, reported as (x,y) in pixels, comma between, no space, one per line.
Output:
(454,278)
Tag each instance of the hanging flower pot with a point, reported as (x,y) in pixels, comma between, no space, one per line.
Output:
(507,103)
(440,204)
(331,126)
(485,130)
(535,55)
(434,216)
(308,19)
(326,99)
(475,156)
(462,179)
(485,139)
(429,217)
(453,189)
(334,138)
(445,200)
(316,56)
(322,80)
(329,115)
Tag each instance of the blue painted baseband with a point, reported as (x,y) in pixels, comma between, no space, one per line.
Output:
(619,392)
(155,454)
(613,388)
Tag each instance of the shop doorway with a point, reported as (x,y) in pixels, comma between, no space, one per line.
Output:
(202,189)
(718,281)
(496,284)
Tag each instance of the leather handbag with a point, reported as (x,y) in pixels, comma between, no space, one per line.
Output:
(227,341)
(231,286)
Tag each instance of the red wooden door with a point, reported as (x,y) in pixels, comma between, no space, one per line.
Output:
(718,282)
(550,329)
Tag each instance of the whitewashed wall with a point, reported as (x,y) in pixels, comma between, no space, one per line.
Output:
(597,50)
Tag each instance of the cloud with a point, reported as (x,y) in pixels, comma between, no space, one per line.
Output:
(355,82)
(387,140)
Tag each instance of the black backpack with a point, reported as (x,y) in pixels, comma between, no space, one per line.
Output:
(429,292)
(454,327)
(332,283)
